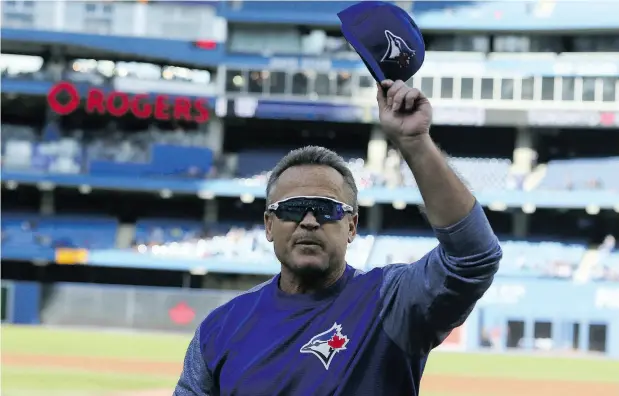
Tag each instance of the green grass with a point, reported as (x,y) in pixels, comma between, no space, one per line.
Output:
(523,367)
(58,342)
(36,381)
(39,381)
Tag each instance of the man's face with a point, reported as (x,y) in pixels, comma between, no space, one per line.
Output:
(308,247)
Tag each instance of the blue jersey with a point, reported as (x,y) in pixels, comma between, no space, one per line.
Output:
(370,333)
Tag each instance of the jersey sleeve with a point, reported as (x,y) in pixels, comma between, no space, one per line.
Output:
(196,379)
(424,301)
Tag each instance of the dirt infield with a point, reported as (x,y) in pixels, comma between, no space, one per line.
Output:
(449,385)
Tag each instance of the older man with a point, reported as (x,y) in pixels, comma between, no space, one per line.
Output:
(321,327)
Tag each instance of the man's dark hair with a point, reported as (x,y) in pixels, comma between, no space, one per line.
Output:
(314,155)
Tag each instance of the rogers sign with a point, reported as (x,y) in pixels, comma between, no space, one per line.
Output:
(118,104)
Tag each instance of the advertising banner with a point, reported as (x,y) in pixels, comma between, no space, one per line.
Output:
(64,98)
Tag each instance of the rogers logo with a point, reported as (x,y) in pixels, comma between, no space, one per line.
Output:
(182,314)
(118,104)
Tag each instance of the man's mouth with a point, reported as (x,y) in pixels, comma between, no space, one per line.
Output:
(308,242)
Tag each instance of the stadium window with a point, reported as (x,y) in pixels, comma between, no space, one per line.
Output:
(235,80)
(427,86)
(487,88)
(18,14)
(567,88)
(19,6)
(512,44)
(575,336)
(480,44)
(609,86)
(546,44)
(597,337)
(542,335)
(300,84)
(257,81)
(588,89)
(507,89)
(343,84)
(366,81)
(548,88)
(597,43)
(447,88)
(98,18)
(277,82)
(322,84)
(3,302)
(99,9)
(515,333)
(466,88)
(527,88)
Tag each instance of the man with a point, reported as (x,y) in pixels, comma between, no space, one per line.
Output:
(321,327)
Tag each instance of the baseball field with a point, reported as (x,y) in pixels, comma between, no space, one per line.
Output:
(39,361)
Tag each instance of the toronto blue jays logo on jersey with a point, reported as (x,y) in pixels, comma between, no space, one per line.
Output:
(397,51)
(326,344)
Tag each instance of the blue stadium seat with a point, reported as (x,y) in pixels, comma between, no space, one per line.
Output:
(540,259)
(520,258)
(252,163)
(582,174)
(479,173)
(32,231)
(193,239)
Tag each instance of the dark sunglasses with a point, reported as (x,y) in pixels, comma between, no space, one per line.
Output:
(324,209)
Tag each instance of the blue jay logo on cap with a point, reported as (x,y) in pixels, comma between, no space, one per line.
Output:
(397,51)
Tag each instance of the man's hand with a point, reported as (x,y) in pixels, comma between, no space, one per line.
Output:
(405,113)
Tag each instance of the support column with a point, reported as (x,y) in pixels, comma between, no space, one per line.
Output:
(377,150)
(211,211)
(214,130)
(524,154)
(47,206)
(520,224)
(374,218)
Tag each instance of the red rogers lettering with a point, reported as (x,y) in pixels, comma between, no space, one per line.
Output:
(118,104)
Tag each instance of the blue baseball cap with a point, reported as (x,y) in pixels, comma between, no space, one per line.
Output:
(385,37)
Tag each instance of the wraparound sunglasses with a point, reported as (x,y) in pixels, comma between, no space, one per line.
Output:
(324,209)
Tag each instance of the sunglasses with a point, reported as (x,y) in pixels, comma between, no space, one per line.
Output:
(325,210)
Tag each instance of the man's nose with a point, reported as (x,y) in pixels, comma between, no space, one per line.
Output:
(309,221)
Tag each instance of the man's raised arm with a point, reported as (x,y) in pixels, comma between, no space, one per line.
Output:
(426,300)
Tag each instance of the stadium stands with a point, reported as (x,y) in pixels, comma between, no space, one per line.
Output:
(608,268)
(70,154)
(231,242)
(33,232)
(540,259)
(190,239)
(582,174)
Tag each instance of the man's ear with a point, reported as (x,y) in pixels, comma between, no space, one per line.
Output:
(352,227)
(268,225)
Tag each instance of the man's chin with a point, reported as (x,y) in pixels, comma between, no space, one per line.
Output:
(308,266)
